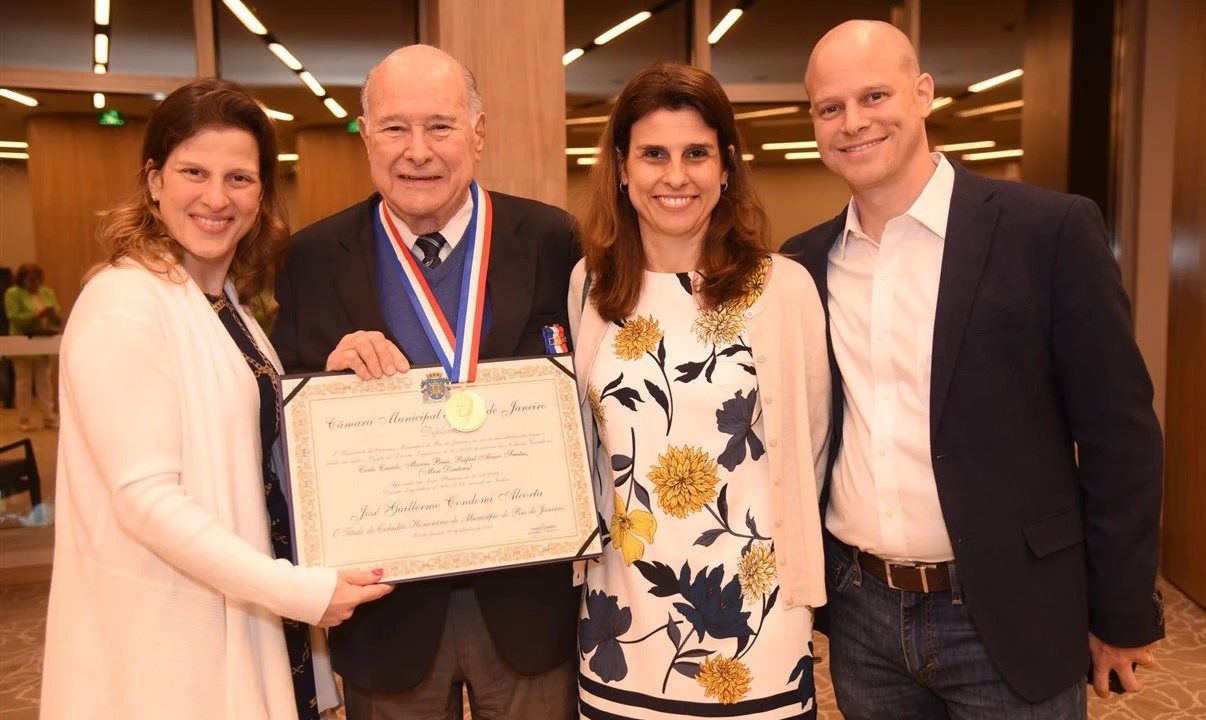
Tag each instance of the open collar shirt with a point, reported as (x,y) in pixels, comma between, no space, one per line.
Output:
(882,301)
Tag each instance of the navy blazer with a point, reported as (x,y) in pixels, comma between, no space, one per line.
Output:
(326,290)
(1046,451)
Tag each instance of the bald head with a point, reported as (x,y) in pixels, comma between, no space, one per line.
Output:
(861,38)
(869,101)
(421,61)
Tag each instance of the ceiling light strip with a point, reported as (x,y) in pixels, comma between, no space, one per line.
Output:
(611,34)
(993,155)
(797,145)
(802,156)
(14,145)
(288,59)
(995,81)
(100,37)
(989,109)
(18,97)
(974,145)
(14,155)
(726,23)
(769,112)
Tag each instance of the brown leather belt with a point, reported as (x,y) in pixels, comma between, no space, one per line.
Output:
(910,577)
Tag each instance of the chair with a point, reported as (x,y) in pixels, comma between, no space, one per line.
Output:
(20,474)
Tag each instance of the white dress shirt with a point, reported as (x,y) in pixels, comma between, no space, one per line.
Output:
(882,299)
(452,232)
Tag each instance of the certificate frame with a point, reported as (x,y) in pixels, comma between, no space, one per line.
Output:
(420,540)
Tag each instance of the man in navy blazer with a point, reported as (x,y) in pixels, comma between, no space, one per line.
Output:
(993,499)
(509,635)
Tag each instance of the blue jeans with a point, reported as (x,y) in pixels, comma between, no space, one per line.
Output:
(897,655)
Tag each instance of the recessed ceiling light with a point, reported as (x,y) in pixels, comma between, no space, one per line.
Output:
(623,27)
(993,155)
(989,109)
(245,16)
(335,108)
(315,86)
(976,145)
(18,97)
(722,27)
(769,112)
(283,54)
(800,145)
(995,81)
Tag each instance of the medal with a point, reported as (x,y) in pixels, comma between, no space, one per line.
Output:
(465,411)
(457,350)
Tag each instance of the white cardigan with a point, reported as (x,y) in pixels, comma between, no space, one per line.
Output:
(164,599)
(786,331)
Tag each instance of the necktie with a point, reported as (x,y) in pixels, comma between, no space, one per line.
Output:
(430,245)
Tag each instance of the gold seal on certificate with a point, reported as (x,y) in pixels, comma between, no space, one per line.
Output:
(465,410)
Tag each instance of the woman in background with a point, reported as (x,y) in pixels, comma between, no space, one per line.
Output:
(702,359)
(172,568)
(33,309)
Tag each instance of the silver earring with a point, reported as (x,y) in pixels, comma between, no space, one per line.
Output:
(724,186)
(623,187)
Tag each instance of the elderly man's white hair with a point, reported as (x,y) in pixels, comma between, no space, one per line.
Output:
(475,96)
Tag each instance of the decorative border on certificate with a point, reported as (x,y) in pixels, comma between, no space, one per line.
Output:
(379,478)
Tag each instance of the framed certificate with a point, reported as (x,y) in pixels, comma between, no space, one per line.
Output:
(425,479)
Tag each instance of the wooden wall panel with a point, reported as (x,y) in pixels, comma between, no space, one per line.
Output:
(1046,90)
(514,48)
(1184,560)
(76,170)
(332,173)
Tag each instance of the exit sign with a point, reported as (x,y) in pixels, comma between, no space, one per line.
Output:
(111,117)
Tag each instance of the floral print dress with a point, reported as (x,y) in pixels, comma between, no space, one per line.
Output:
(680,617)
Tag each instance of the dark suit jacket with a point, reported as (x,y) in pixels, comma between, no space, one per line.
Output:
(1046,451)
(327,290)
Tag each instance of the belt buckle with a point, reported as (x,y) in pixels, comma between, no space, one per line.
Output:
(921,570)
(888,575)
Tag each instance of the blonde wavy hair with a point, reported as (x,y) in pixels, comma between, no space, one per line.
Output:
(134,231)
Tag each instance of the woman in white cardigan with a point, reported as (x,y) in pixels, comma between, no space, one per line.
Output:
(173,592)
(703,365)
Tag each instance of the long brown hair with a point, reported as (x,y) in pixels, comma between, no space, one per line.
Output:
(736,240)
(134,230)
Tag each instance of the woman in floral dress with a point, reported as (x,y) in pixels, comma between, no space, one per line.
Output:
(701,358)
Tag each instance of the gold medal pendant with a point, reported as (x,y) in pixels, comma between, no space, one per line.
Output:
(465,411)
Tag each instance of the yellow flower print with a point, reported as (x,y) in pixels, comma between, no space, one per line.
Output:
(756,572)
(684,479)
(720,326)
(596,404)
(754,286)
(627,527)
(639,335)
(723,678)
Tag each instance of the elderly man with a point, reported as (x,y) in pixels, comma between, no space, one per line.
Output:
(995,492)
(508,634)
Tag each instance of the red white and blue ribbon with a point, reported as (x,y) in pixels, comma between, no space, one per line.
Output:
(457,350)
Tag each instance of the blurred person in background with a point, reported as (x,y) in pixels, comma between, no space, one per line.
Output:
(33,309)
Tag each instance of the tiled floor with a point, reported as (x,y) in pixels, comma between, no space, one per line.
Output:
(1174,690)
